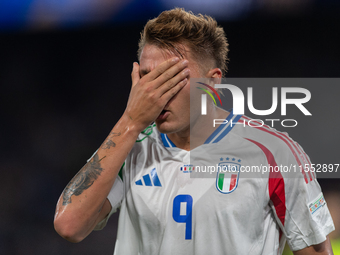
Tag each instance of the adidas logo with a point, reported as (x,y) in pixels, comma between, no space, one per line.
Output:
(147,179)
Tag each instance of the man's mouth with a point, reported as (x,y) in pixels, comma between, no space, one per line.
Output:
(163,115)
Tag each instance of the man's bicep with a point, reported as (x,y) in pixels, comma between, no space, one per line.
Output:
(323,248)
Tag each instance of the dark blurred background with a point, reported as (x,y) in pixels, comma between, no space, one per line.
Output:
(65,78)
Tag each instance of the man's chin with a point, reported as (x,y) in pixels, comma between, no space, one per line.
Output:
(165,127)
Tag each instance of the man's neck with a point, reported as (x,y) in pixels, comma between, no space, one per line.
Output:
(200,130)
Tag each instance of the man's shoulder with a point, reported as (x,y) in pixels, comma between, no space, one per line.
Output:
(270,141)
(256,130)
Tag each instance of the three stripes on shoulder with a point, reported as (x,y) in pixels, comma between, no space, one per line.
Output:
(150,179)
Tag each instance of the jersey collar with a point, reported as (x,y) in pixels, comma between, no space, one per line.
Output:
(166,141)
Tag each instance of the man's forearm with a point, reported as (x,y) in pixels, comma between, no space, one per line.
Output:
(80,203)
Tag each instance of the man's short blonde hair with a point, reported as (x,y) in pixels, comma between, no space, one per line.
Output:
(176,28)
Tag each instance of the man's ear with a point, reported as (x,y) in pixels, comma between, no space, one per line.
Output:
(215,73)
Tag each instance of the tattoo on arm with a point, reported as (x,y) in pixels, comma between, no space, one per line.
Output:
(114,134)
(109,143)
(83,179)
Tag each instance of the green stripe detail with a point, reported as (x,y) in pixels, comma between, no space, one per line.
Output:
(148,131)
(138,141)
(220,181)
(120,174)
(208,92)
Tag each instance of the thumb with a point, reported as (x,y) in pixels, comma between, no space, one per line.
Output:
(135,74)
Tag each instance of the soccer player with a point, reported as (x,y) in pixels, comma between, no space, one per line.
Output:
(142,166)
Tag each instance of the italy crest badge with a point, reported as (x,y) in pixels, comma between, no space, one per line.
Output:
(228,173)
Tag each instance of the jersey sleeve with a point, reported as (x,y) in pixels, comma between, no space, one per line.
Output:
(115,196)
(298,202)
